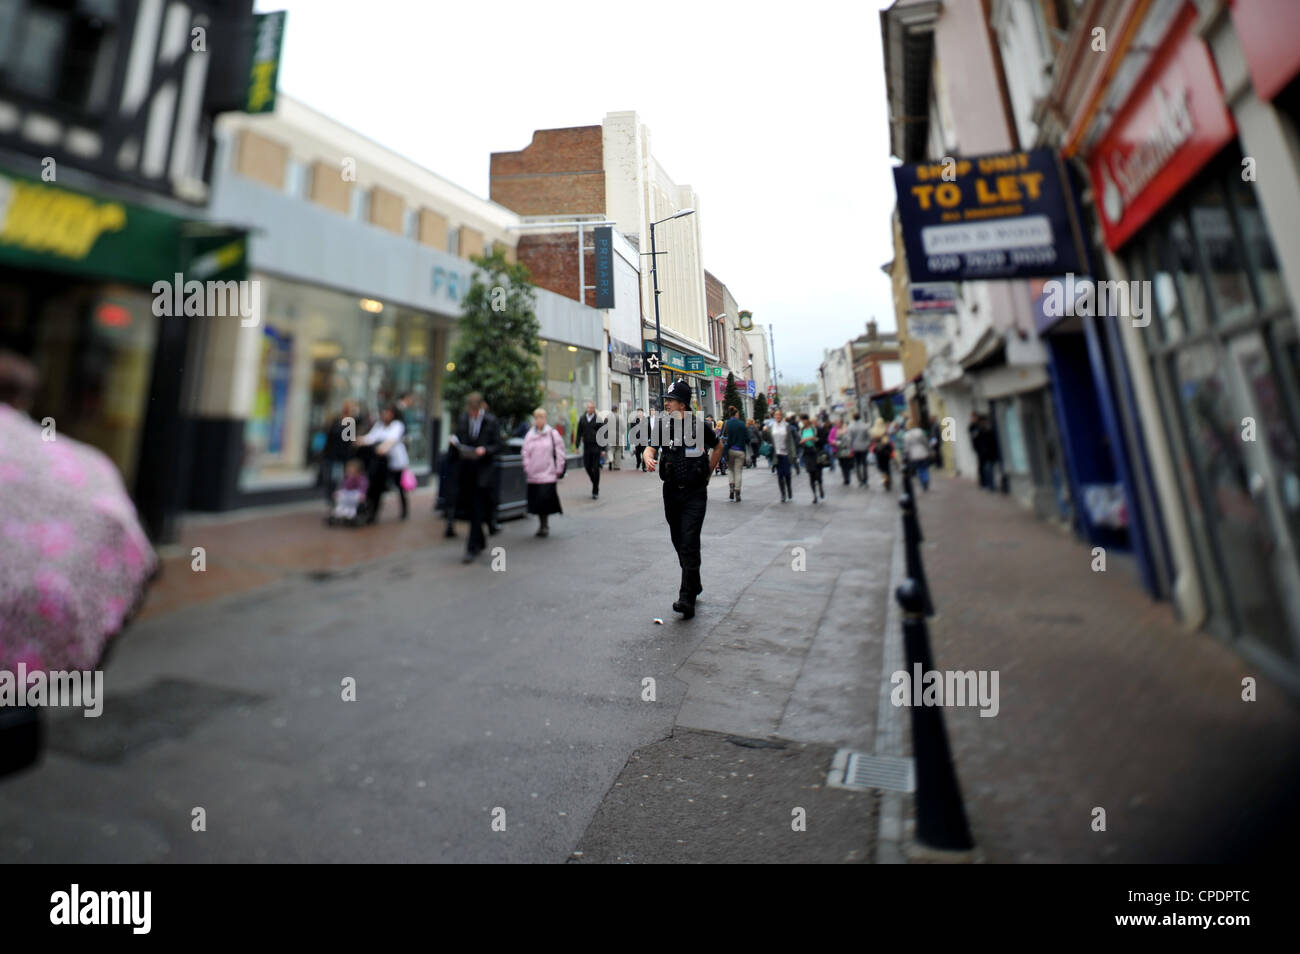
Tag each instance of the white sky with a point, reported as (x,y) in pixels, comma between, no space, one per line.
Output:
(774,113)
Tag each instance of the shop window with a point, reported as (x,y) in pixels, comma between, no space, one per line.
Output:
(360,204)
(569,378)
(1257,247)
(1221,252)
(320,347)
(59,51)
(297,179)
(1177,257)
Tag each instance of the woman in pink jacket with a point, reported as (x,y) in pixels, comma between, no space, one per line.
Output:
(544,464)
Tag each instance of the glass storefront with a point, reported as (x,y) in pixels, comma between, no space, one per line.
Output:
(1223,350)
(569,375)
(318,348)
(93,344)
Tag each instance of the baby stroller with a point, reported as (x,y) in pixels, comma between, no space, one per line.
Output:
(351,504)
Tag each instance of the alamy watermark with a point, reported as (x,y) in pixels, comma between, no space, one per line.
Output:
(1087,298)
(948,688)
(209,299)
(58,689)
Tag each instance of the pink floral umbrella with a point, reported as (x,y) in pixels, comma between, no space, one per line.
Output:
(73,559)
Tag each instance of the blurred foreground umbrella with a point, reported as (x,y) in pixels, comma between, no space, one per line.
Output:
(73,559)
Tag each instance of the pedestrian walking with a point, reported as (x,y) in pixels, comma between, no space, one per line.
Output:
(735,437)
(785,446)
(841,446)
(637,435)
(721,468)
(617,433)
(860,436)
(811,452)
(985,444)
(916,451)
(883,450)
(544,463)
(685,464)
(587,436)
(389,460)
(755,441)
(477,440)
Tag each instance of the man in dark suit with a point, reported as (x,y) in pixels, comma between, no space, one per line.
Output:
(477,441)
(587,434)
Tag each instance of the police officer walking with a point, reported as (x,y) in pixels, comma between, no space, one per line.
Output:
(685,454)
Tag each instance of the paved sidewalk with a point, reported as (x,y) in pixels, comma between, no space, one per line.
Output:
(246,550)
(1105,702)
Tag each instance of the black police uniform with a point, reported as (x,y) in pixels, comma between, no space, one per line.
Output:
(684,469)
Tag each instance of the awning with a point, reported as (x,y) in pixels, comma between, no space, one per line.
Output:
(48,227)
(988,352)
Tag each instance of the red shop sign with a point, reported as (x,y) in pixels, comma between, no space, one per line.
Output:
(1173,123)
(1268,30)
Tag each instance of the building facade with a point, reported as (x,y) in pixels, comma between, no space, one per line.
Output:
(361,257)
(1187,132)
(609,173)
(106,117)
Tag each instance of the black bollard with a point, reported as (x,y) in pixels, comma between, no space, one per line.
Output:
(940,816)
(907,489)
(912,551)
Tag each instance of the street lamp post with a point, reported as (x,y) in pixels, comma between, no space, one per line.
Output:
(771,333)
(654,274)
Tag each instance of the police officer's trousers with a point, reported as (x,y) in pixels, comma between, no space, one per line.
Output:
(684,510)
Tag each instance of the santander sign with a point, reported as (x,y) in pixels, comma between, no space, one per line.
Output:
(1173,123)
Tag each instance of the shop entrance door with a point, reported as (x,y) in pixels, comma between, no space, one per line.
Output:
(1269,454)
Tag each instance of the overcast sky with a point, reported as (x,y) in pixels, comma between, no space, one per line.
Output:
(775,114)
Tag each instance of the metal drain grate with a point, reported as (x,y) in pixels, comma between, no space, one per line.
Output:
(860,771)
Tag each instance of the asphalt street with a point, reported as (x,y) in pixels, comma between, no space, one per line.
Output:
(515,696)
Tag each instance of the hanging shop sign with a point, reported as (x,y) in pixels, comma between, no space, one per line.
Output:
(1004,215)
(264,71)
(695,362)
(926,326)
(751,388)
(939,296)
(603,241)
(1175,121)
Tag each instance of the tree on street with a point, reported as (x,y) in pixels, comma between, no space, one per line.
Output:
(497,350)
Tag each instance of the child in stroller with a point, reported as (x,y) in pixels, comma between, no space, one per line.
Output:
(350,499)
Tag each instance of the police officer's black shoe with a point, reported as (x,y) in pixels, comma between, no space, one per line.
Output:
(685,605)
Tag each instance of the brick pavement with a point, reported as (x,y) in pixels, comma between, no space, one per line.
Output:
(1106,701)
(247,550)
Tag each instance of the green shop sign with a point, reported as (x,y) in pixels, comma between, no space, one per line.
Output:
(672,359)
(264,72)
(52,228)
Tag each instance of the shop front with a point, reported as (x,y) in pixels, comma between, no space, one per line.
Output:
(77,296)
(318,348)
(570,377)
(627,390)
(1218,343)
(680,365)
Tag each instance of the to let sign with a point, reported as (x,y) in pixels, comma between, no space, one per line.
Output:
(1005,215)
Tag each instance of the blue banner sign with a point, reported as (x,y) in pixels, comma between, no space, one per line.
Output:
(603,239)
